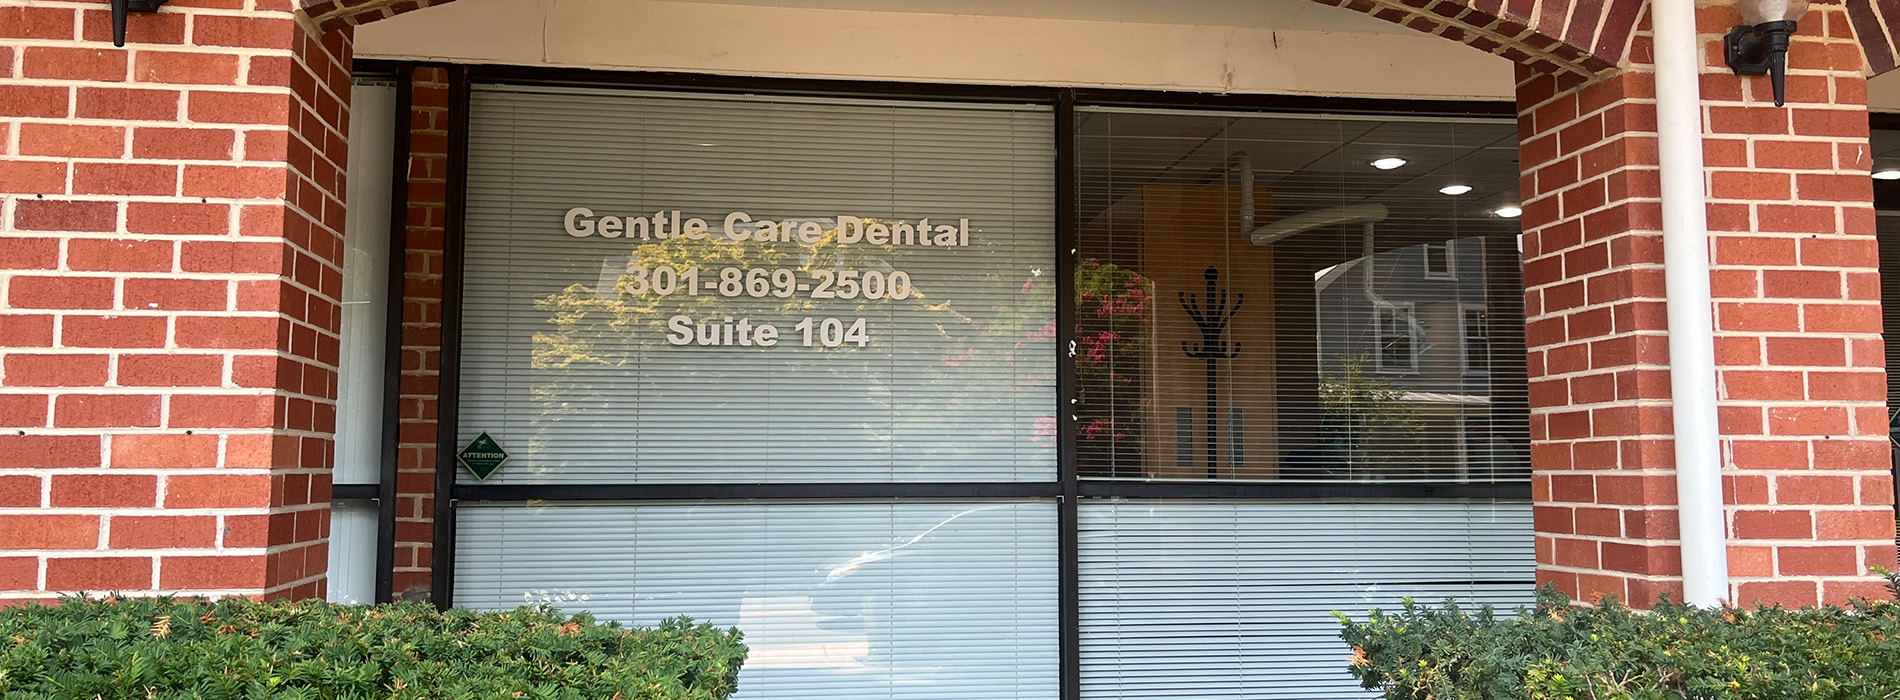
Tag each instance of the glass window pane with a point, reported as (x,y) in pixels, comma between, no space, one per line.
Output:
(363,336)
(1234,599)
(917,599)
(608,339)
(1256,300)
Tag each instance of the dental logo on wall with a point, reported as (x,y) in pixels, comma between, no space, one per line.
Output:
(482,456)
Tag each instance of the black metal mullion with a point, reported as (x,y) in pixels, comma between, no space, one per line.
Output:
(354,492)
(673,81)
(1308,104)
(1067,471)
(755,491)
(392,340)
(442,531)
(1067,490)
(1262,490)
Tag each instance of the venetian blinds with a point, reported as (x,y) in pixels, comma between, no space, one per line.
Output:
(914,599)
(1257,299)
(699,288)
(1229,599)
(359,415)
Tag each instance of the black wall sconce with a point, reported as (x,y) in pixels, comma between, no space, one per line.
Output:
(1761,46)
(120,7)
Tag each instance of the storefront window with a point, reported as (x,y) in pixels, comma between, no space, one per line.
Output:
(1258,300)
(790,364)
(714,291)
(919,599)
(703,289)
(1231,598)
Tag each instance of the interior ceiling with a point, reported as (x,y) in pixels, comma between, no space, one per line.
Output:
(1309,163)
(1885,144)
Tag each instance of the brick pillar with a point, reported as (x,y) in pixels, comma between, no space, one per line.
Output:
(422,329)
(170,263)
(1797,306)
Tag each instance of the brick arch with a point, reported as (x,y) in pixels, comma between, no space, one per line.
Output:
(329,15)
(1570,38)
(1877,26)
(1578,38)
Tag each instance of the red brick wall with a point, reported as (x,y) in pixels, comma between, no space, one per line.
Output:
(421,328)
(1795,276)
(168,320)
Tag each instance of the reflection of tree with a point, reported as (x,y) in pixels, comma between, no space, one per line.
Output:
(602,334)
(1364,421)
(1112,308)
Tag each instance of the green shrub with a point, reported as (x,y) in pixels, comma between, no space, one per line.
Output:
(168,648)
(1560,652)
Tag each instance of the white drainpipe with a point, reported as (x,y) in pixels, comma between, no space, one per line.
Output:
(1691,331)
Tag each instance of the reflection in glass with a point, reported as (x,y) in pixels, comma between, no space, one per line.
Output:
(1190,599)
(1257,266)
(891,360)
(917,599)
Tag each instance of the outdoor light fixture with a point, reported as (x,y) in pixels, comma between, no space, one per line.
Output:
(1761,46)
(1389,163)
(1888,174)
(120,7)
(1454,190)
(1508,212)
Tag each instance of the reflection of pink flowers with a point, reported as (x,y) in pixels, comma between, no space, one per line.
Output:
(1047,331)
(1027,284)
(1133,304)
(1045,429)
(1095,347)
(1097,428)
(960,358)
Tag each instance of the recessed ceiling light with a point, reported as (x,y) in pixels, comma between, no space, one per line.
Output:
(1454,190)
(1389,163)
(1508,212)
(1887,174)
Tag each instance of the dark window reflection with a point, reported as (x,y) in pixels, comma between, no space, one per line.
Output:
(1254,300)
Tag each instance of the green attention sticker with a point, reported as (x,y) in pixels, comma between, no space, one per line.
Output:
(482,456)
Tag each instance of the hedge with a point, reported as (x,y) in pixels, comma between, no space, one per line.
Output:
(236,648)
(1610,652)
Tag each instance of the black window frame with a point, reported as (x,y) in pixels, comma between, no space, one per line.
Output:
(1066,491)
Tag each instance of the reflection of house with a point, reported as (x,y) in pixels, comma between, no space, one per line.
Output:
(1341,369)
(1404,338)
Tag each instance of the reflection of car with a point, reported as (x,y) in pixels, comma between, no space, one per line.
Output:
(890,595)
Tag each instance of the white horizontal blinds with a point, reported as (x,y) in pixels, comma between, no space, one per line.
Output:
(1227,599)
(359,414)
(949,376)
(1355,324)
(359,434)
(351,577)
(913,599)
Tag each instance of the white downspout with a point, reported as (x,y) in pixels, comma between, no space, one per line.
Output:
(1691,333)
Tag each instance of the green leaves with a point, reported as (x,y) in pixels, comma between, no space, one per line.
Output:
(237,649)
(1610,652)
